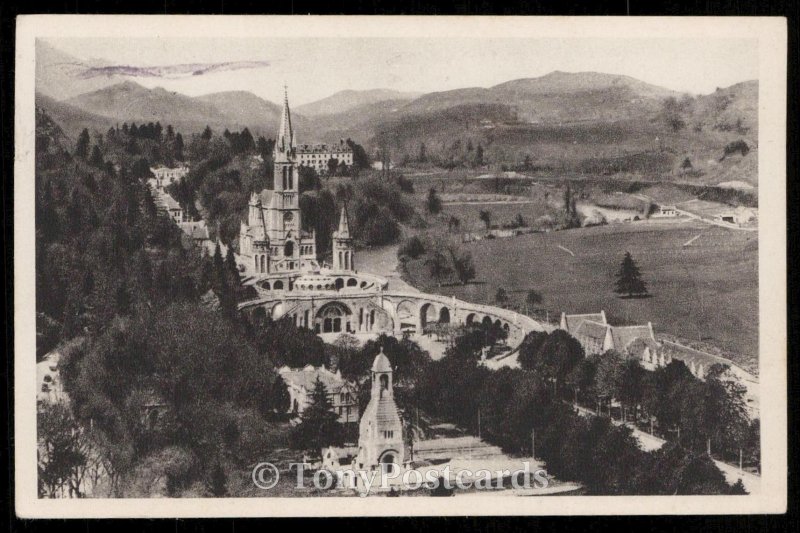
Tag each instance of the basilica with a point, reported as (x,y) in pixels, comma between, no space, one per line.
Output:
(272,242)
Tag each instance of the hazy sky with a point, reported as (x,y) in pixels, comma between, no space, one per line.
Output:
(314,68)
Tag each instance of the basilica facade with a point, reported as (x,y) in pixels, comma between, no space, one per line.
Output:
(272,242)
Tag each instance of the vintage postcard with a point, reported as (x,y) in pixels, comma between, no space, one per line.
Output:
(307,266)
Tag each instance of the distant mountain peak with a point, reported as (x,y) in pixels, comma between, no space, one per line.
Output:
(347,99)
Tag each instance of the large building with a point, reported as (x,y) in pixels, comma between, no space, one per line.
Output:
(317,156)
(165,175)
(273,240)
(341,393)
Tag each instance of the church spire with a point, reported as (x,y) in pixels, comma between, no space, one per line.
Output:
(284,143)
(344,226)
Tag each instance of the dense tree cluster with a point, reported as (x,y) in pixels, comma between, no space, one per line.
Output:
(520,408)
(120,294)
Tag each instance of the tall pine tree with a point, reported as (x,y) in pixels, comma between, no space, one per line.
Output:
(629,278)
(319,426)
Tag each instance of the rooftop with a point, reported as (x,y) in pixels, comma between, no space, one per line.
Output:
(306,378)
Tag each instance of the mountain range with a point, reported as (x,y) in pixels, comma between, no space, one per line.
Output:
(556,118)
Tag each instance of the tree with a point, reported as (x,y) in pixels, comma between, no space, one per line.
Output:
(361,160)
(463,265)
(672,113)
(207,134)
(479,155)
(434,203)
(632,383)
(629,278)
(281,400)
(527,163)
(319,426)
(333,164)
(608,378)
(438,267)
(486,218)
(501,297)
(60,452)
(453,223)
(533,298)
(413,248)
(552,356)
(82,146)
(96,158)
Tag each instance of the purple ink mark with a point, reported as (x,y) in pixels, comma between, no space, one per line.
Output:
(170,71)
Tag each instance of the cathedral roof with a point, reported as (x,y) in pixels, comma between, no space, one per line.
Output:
(381,363)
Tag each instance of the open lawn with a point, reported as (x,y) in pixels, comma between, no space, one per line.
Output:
(706,290)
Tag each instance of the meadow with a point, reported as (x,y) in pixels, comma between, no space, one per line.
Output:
(706,290)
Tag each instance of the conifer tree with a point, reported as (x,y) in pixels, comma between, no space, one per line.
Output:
(629,278)
(319,426)
(82,147)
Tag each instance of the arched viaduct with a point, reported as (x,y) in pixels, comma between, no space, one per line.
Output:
(391,312)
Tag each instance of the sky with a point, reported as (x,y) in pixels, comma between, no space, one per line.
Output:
(314,68)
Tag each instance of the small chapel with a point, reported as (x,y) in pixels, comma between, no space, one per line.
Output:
(380,435)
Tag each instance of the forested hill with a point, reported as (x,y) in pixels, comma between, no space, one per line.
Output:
(118,295)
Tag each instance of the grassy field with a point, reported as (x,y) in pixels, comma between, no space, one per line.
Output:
(707,290)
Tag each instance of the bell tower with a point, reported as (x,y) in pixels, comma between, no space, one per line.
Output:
(286,196)
(380,438)
(342,248)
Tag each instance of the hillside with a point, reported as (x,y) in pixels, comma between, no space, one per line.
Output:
(557,97)
(130,102)
(243,108)
(72,120)
(586,122)
(343,101)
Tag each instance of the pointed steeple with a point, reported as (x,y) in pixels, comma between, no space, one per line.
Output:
(344,226)
(284,143)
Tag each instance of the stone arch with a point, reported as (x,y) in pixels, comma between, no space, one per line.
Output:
(339,284)
(352,282)
(388,461)
(424,313)
(487,321)
(266,285)
(333,317)
(406,314)
(470,319)
(444,315)
(278,285)
(288,249)
(506,327)
(497,323)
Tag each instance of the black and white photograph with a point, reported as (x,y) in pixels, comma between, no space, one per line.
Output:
(306,264)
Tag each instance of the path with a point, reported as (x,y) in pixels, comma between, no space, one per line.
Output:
(382,261)
(493,202)
(566,250)
(648,442)
(690,241)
